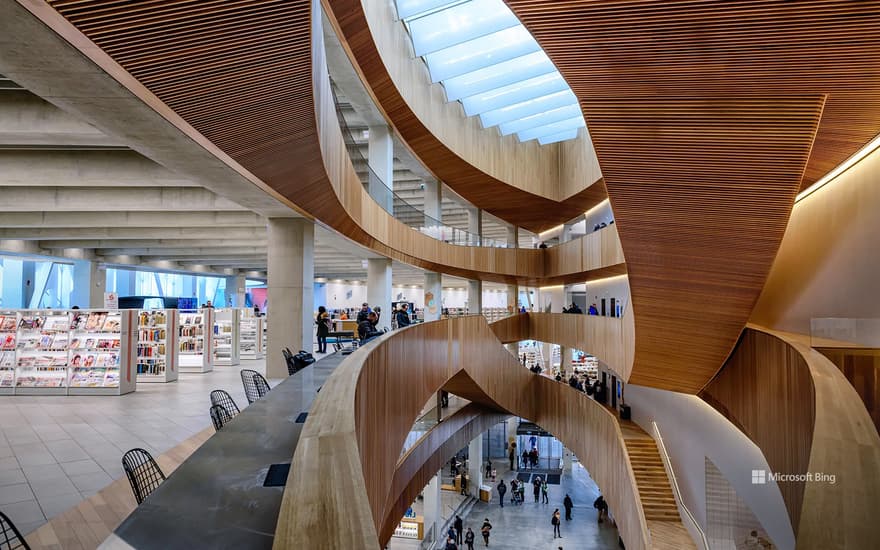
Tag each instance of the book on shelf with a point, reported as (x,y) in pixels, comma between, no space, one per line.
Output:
(7,323)
(7,341)
(7,359)
(7,378)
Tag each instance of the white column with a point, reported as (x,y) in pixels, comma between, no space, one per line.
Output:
(433,202)
(475,297)
(432,509)
(475,225)
(235,289)
(475,465)
(379,288)
(381,161)
(433,293)
(291,259)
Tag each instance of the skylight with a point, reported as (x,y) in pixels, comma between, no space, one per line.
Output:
(486,59)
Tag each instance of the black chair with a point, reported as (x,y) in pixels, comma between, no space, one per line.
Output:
(143,473)
(222,398)
(10,536)
(255,386)
(220,416)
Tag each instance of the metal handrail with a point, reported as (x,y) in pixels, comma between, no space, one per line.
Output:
(676,491)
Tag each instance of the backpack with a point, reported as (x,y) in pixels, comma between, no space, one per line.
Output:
(298,361)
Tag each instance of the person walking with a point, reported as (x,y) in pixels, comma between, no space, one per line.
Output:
(544,489)
(502,489)
(450,544)
(469,539)
(568,505)
(602,506)
(525,459)
(459,527)
(536,488)
(486,530)
(323,322)
(555,522)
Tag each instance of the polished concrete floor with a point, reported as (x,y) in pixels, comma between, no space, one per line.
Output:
(528,525)
(57,450)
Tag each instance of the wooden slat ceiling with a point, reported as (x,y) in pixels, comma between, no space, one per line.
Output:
(703,115)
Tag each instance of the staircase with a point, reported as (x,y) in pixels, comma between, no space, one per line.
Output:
(654,489)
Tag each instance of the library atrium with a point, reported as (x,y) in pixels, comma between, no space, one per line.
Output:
(439,274)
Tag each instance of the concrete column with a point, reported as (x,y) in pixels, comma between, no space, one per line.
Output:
(379,288)
(291,260)
(513,299)
(566,459)
(89,284)
(432,509)
(433,293)
(433,203)
(512,424)
(475,225)
(381,161)
(235,290)
(512,236)
(475,297)
(475,465)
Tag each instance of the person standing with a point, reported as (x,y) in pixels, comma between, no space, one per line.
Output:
(502,489)
(555,522)
(525,459)
(486,530)
(469,539)
(568,505)
(323,322)
(402,316)
(511,454)
(536,488)
(488,468)
(602,506)
(459,527)
(450,544)
(544,489)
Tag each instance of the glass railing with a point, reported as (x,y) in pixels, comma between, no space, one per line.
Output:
(845,332)
(404,212)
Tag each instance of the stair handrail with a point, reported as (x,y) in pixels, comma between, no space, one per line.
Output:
(667,464)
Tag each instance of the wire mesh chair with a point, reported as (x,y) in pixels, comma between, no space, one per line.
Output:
(220,416)
(222,398)
(10,536)
(143,473)
(255,386)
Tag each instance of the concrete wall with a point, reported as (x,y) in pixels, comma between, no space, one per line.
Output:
(692,430)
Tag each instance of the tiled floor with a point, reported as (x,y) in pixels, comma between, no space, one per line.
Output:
(55,451)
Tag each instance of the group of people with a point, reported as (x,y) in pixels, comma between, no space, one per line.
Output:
(367,323)
(573,308)
(456,534)
(530,458)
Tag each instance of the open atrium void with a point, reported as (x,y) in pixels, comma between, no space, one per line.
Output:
(486,59)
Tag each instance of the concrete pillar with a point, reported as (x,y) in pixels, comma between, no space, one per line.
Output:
(291,260)
(379,288)
(475,225)
(433,203)
(235,290)
(432,509)
(512,299)
(512,236)
(475,465)
(475,297)
(433,293)
(566,459)
(512,424)
(381,161)
(89,284)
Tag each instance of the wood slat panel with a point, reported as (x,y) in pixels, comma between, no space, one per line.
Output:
(707,119)
(861,367)
(346,473)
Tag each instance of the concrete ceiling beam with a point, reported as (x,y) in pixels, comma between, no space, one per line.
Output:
(102,199)
(219,241)
(193,252)
(104,237)
(91,217)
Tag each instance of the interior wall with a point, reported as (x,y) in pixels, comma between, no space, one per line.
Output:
(692,430)
(828,263)
(612,287)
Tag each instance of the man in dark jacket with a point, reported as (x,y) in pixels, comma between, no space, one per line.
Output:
(403,316)
(502,490)
(363,313)
(568,505)
(367,327)
(459,527)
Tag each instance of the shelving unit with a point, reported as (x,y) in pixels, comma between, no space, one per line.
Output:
(226,336)
(157,347)
(41,362)
(102,352)
(411,528)
(8,325)
(250,336)
(196,348)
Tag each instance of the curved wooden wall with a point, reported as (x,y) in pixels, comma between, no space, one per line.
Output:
(532,186)
(608,338)
(345,473)
(422,462)
(805,417)
(259,91)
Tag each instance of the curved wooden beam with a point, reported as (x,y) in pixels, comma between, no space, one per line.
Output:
(611,339)
(333,503)
(520,183)
(295,146)
(422,462)
(805,417)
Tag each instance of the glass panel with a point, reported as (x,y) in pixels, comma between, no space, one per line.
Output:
(459,23)
(410,8)
(481,52)
(549,129)
(500,74)
(561,136)
(517,92)
(571,110)
(528,108)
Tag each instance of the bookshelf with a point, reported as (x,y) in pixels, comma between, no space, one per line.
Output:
(42,353)
(250,335)
(226,336)
(157,348)
(196,345)
(101,352)
(8,326)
